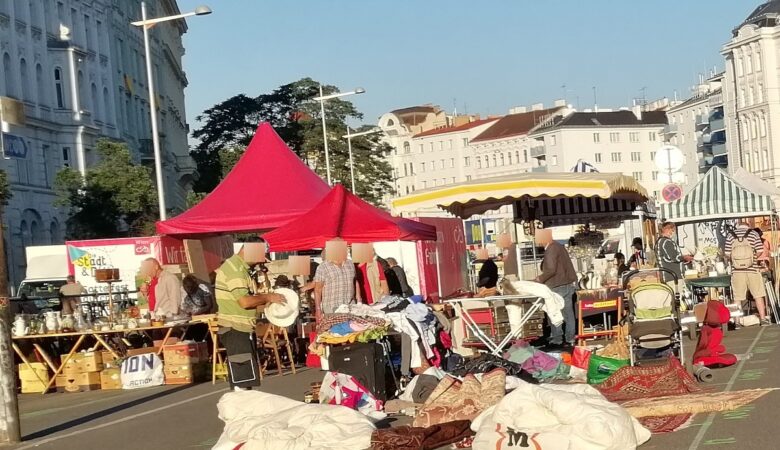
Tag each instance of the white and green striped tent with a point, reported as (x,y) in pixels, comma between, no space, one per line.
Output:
(717,196)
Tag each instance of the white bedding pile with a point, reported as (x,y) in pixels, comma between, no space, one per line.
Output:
(557,417)
(270,422)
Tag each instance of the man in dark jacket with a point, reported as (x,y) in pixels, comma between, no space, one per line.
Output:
(559,275)
(398,285)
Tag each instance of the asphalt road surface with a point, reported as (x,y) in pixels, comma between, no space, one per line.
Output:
(185,417)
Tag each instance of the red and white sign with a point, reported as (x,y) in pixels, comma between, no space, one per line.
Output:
(671,192)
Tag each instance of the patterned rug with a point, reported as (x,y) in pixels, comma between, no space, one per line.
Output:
(644,382)
(693,403)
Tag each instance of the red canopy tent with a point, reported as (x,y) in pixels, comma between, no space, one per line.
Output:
(342,214)
(268,187)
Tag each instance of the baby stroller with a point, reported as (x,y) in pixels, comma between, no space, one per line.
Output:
(653,313)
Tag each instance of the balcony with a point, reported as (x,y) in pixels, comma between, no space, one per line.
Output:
(539,169)
(719,149)
(538,151)
(670,129)
(717,124)
(716,100)
(702,120)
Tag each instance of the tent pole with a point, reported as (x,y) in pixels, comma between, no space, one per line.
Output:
(519,254)
(438,271)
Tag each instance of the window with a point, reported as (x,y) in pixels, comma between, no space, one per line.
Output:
(651,136)
(633,136)
(597,157)
(449,144)
(422,148)
(616,157)
(453,179)
(525,155)
(487,162)
(554,160)
(58,89)
(760,93)
(87,31)
(441,145)
(655,175)
(596,138)
(465,142)
(407,148)
(431,144)
(441,164)
(406,170)
(552,140)
(745,130)
(742,98)
(466,161)
(424,184)
(99,27)
(468,177)
(47,173)
(636,157)
(749,64)
(758,62)
(452,163)
(637,176)
(682,138)
(106,108)
(614,138)
(66,156)
(479,162)
(751,95)
(754,128)
(407,190)
(411,168)
(502,159)
(422,167)
(739,66)
(652,156)
(765,158)
(443,181)
(762,126)
(8,71)
(97,114)
(495,164)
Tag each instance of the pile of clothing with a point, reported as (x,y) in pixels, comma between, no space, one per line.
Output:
(348,328)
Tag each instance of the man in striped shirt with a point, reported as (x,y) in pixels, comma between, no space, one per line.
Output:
(749,279)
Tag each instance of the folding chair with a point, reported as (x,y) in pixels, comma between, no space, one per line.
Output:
(274,338)
(218,363)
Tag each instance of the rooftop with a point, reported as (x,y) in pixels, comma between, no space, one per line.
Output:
(609,119)
(454,129)
(765,15)
(515,124)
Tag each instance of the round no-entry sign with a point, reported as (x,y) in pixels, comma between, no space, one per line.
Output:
(671,192)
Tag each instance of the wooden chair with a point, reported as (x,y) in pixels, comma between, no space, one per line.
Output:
(274,338)
(218,362)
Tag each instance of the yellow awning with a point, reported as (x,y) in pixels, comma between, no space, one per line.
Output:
(478,196)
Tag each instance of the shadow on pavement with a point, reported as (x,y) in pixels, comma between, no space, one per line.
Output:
(100,414)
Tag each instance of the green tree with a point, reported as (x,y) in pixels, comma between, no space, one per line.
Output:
(116,198)
(229,126)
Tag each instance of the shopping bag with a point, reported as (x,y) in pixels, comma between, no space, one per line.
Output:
(600,368)
(142,371)
(346,390)
(580,357)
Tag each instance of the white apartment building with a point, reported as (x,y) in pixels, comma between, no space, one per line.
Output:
(751,93)
(696,127)
(72,72)
(612,141)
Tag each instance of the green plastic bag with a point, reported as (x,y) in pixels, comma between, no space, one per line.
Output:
(600,368)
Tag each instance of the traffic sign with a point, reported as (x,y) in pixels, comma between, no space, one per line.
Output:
(671,192)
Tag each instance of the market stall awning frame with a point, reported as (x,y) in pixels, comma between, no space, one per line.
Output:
(715,197)
(478,196)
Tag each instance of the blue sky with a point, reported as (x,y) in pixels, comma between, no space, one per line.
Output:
(483,56)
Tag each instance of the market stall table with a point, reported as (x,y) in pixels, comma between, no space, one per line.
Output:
(99,336)
(533,303)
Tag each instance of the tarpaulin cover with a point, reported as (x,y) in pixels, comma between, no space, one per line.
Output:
(342,214)
(268,187)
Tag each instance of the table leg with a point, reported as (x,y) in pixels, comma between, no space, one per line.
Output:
(65,361)
(106,346)
(45,356)
(26,362)
(165,339)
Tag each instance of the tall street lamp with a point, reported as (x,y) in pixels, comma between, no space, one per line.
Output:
(322,99)
(146,24)
(349,137)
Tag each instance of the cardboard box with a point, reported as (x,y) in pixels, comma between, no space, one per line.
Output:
(170,341)
(109,360)
(82,362)
(26,373)
(86,381)
(110,379)
(189,353)
(141,351)
(185,373)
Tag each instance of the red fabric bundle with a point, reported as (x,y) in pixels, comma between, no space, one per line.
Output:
(710,350)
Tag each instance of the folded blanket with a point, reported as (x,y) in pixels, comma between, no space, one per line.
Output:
(411,438)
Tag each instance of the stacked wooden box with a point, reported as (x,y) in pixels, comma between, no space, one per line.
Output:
(110,378)
(186,363)
(81,372)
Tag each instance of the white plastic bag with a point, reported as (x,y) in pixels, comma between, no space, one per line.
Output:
(142,371)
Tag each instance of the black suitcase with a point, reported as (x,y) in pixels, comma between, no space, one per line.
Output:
(365,362)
